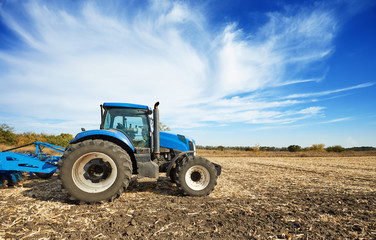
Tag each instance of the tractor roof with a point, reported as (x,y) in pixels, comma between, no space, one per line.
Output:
(126,105)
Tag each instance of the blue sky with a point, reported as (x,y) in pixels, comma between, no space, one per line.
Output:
(233,73)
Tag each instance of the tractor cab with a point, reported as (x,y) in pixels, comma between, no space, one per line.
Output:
(132,120)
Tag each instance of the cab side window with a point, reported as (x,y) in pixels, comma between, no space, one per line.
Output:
(133,122)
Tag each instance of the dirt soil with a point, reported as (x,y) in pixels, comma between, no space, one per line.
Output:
(256,198)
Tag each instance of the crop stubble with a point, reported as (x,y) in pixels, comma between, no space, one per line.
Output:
(256,198)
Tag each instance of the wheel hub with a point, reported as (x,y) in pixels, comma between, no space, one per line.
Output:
(97,170)
(197,177)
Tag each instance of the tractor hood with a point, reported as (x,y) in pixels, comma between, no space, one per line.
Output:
(176,141)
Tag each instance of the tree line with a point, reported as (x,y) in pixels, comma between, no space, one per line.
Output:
(291,148)
(9,137)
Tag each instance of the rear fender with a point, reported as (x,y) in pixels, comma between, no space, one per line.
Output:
(114,136)
(104,134)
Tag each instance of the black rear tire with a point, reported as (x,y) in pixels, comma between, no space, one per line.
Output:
(95,170)
(196,176)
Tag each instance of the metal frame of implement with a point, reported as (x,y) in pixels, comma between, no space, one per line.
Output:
(12,163)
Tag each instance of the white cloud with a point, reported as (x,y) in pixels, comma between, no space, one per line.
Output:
(328,92)
(74,59)
(337,120)
(300,81)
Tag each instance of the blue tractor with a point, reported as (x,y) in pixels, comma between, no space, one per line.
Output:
(98,164)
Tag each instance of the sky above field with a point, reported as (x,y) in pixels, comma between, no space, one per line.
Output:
(232,73)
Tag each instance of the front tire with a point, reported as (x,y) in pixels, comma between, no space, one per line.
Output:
(95,170)
(173,175)
(196,176)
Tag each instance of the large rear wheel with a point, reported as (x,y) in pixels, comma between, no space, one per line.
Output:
(95,170)
(196,176)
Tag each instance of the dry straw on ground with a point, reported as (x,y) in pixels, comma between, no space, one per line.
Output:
(256,198)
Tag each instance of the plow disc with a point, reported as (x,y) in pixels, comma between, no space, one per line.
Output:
(3,182)
(11,179)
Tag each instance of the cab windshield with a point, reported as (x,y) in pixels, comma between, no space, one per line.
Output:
(133,122)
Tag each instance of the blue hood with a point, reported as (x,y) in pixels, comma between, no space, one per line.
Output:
(174,141)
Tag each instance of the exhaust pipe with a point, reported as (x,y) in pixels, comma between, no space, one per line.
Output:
(156,130)
(102,118)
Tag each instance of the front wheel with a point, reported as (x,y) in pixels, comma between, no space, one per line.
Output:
(196,176)
(95,170)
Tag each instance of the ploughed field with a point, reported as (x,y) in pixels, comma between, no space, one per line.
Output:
(255,198)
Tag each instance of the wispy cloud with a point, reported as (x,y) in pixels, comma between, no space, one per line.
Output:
(74,58)
(299,81)
(328,92)
(336,120)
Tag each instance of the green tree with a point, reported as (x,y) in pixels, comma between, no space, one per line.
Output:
(294,148)
(336,148)
(7,136)
(221,148)
(60,140)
